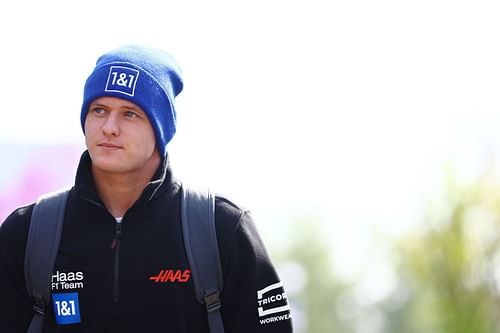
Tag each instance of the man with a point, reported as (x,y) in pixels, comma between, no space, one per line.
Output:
(122,224)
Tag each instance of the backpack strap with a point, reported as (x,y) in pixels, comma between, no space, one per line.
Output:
(44,236)
(200,241)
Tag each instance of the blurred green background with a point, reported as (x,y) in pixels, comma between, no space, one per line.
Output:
(444,273)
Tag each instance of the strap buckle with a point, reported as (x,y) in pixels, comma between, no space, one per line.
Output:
(39,305)
(212,300)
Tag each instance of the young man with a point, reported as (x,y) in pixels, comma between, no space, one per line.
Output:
(122,225)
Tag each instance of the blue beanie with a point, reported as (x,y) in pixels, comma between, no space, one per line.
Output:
(142,75)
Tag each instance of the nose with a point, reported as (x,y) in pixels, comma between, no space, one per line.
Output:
(110,125)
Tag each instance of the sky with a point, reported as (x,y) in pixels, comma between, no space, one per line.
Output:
(346,110)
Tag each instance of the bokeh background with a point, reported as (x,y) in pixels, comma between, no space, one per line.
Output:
(363,135)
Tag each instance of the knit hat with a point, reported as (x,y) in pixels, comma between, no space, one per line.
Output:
(142,75)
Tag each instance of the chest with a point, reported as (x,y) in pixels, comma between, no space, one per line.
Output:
(133,269)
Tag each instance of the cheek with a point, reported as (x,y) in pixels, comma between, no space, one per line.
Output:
(143,141)
(92,132)
(89,133)
(87,123)
(149,138)
(89,126)
(150,142)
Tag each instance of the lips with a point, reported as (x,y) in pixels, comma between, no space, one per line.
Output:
(107,145)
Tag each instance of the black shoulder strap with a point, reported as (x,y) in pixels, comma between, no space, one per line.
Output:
(42,246)
(200,240)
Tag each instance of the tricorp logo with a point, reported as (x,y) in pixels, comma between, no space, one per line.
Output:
(170,275)
(272,300)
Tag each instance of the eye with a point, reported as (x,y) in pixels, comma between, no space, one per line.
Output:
(130,114)
(98,110)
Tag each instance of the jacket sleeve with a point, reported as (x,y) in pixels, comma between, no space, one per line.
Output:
(15,306)
(253,298)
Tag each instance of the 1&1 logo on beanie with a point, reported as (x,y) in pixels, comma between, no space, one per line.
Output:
(122,79)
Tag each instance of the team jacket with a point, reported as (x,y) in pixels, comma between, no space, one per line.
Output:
(134,276)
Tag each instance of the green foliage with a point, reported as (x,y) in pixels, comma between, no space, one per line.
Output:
(317,300)
(450,270)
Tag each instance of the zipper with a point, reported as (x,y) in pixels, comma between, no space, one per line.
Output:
(115,245)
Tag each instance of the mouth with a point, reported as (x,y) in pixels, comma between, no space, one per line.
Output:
(109,146)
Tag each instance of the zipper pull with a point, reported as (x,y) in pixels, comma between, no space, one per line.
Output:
(118,235)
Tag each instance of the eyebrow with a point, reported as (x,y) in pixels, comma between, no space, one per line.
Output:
(130,107)
(97,104)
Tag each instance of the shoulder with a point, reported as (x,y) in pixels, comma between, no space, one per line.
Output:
(14,233)
(17,222)
(226,209)
(230,217)
(236,230)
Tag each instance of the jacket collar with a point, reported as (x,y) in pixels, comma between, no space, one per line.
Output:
(162,181)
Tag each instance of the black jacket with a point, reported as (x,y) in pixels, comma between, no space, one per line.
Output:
(134,276)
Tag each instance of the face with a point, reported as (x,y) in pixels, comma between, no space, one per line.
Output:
(119,137)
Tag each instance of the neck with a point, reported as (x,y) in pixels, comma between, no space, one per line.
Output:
(119,191)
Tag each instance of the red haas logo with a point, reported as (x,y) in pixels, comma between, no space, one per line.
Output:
(170,275)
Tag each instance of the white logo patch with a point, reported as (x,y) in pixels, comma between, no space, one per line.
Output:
(67,281)
(272,299)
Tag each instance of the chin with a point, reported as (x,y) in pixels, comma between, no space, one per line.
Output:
(107,163)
